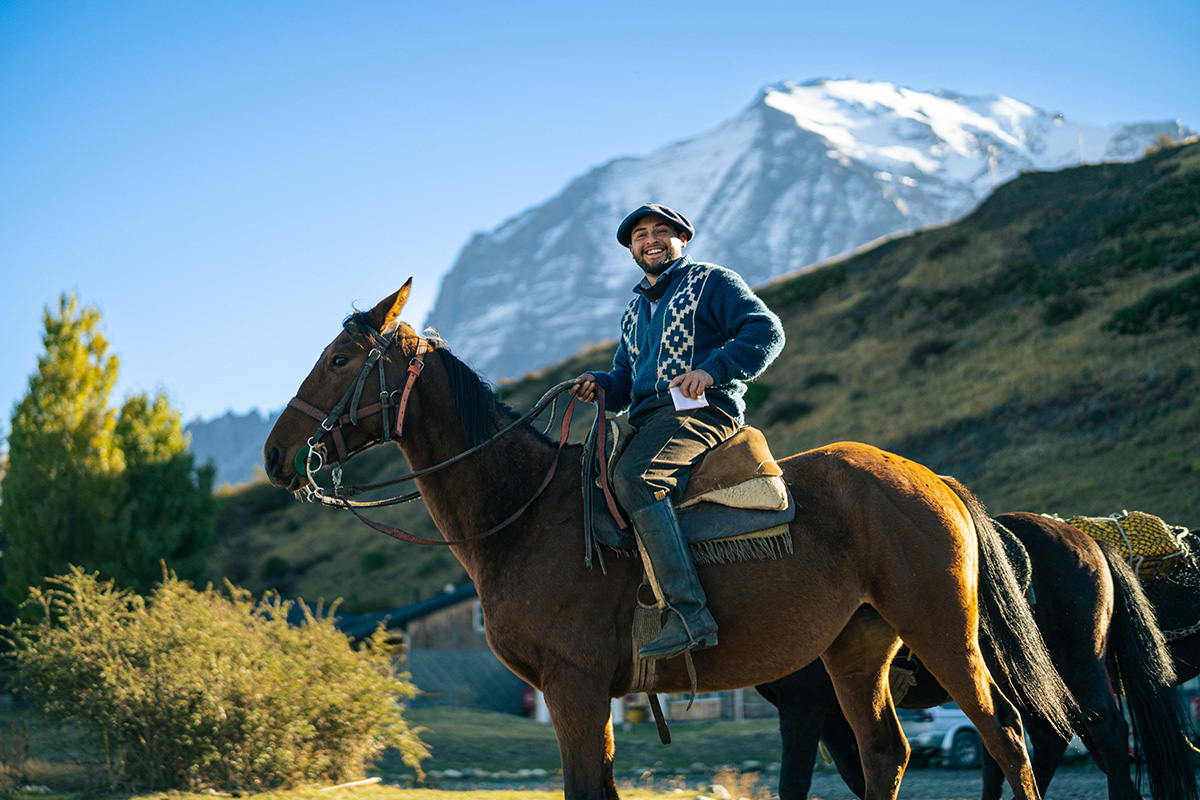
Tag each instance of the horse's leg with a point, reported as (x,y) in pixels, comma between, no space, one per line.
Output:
(948,645)
(1048,749)
(608,778)
(838,737)
(993,778)
(802,699)
(966,678)
(1106,736)
(858,665)
(579,711)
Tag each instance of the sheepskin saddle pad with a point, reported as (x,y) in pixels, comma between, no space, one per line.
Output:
(736,505)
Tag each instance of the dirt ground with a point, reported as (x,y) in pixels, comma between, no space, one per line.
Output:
(1082,782)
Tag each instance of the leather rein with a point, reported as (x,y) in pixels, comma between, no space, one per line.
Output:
(347,410)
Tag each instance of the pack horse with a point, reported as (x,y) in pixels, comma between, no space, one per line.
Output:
(882,550)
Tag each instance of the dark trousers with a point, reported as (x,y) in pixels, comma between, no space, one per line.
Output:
(660,456)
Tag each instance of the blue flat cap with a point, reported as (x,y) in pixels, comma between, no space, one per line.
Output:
(625,230)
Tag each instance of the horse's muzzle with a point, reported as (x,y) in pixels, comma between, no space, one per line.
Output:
(274,463)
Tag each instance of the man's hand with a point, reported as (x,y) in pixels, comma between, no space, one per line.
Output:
(692,383)
(585,387)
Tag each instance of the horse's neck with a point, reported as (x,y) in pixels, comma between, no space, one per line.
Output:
(478,492)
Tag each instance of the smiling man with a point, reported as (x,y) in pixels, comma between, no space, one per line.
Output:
(698,329)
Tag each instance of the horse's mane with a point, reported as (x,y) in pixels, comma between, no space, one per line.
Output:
(476,400)
(474,397)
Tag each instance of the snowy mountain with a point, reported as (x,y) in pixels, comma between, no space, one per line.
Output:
(806,172)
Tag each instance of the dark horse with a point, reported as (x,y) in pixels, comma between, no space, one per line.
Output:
(873,529)
(1097,624)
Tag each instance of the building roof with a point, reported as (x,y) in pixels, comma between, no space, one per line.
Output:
(362,626)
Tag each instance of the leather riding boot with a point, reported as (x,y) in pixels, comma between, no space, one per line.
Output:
(673,577)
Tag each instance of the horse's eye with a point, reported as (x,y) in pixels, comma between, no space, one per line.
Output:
(340,361)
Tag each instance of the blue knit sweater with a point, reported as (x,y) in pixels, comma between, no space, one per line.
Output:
(707,319)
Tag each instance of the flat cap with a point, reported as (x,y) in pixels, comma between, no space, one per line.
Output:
(625,229)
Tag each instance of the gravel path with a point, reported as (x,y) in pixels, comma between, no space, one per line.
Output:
(1084,782)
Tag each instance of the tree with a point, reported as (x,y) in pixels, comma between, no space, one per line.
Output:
(60,490)
(171,508)
(85,487)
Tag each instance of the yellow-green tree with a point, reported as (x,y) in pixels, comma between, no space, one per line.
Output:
(88,486)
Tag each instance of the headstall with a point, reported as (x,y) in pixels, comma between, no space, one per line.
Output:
(311,458)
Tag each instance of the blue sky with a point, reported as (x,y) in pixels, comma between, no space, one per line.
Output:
(225,180)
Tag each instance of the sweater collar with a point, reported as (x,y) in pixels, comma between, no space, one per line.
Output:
(653,293)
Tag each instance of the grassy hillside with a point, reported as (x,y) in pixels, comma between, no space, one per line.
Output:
(1043,349)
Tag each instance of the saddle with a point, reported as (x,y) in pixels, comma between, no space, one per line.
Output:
(736,505)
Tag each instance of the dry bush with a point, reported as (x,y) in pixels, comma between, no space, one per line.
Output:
(209,689)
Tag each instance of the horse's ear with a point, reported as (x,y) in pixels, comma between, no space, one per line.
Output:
(387,314)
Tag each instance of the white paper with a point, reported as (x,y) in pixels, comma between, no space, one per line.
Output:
(683,402)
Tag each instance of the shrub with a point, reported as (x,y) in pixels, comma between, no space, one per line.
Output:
(207,689)
(274,568)
(790,411)
(1160,308)
(948,245)
(1064,309)
(819,379)
(757,393)
(923,352)
(373,560)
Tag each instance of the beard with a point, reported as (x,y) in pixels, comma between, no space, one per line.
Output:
(669,256)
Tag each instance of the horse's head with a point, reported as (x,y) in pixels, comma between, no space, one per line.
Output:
(326,415)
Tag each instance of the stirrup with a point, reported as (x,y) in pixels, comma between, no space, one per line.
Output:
(690,644)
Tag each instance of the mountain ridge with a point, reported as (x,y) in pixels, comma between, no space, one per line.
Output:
(803,173)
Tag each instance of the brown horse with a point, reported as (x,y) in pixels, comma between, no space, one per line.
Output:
(873,528)
(1100,630)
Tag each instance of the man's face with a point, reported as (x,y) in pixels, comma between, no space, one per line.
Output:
(655,243)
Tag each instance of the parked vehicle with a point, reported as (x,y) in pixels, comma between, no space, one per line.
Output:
(943,734)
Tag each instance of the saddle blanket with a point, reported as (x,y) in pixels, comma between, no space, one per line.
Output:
(736,505)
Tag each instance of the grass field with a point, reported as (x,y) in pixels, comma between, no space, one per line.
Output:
(462,738)
(34,752)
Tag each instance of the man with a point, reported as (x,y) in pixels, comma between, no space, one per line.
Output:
(698,329)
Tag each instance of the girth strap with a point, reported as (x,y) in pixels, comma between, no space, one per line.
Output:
(660,721)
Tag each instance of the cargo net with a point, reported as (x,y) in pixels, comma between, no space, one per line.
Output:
(1166,560)
(1176,596)
(1149,545)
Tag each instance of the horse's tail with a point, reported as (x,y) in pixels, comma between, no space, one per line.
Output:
(1141,666)
(1008,629)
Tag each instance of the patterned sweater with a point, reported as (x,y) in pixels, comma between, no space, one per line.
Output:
(707,319)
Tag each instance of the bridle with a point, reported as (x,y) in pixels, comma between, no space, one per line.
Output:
(331,423)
